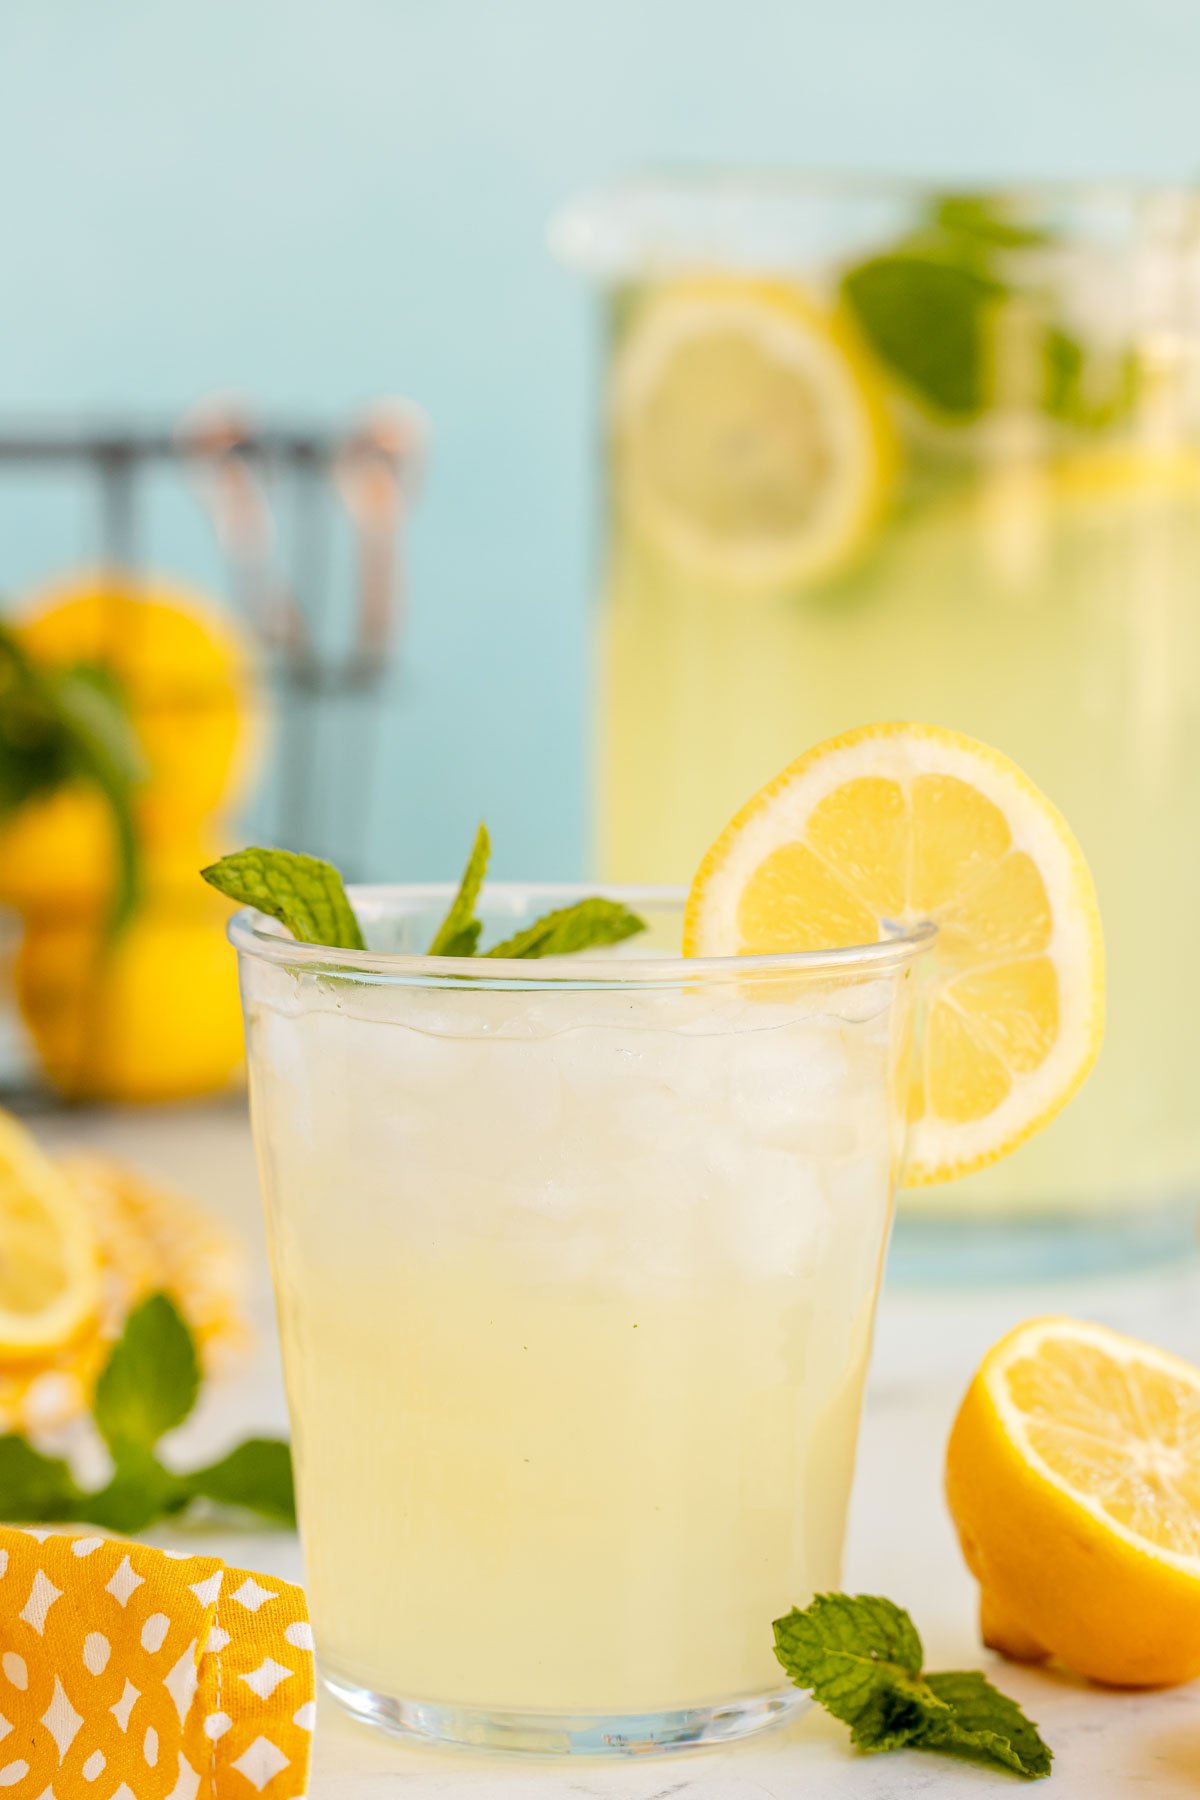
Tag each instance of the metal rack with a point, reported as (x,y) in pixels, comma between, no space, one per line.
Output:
(323,664)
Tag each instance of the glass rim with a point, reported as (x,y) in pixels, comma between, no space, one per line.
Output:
(599,230)
(253,934)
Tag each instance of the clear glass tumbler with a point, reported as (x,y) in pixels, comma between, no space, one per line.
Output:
(877,450)
(576,1263)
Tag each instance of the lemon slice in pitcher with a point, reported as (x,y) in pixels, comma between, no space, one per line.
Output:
(751,432)
(895,824)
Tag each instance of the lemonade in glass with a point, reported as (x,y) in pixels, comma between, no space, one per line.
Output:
(876,451)
(576,1266)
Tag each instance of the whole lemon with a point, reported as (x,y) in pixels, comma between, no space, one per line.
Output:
(187,674)
(150,1013)
(58,851)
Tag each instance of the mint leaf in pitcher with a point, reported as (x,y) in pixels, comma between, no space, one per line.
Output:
(926,319)
(927,304)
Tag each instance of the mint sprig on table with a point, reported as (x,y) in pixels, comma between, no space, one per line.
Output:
(309,899)
(862,1660)
(148,1386)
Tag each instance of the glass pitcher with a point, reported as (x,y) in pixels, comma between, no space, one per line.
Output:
(882,451)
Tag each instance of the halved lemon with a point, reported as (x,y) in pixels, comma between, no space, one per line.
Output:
(751,431)
(895,824)
(1073,1474)
(49,1276)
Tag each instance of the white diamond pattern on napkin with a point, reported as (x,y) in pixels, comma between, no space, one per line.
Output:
(125,1582)
(251,1595)
(260,1763)
(42,1596)
(266,1678)
(61,1720)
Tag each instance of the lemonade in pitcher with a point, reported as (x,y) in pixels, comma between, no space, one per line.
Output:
(882,452)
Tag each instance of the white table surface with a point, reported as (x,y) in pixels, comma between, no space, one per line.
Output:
(901,1543)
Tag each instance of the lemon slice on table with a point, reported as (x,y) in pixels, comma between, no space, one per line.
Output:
(895,824)
(49,1277)
(1073,1475)
(751,432)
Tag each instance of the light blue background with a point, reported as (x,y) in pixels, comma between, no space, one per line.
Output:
(316,204)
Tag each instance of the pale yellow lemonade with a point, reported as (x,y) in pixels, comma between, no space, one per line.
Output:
(575,1292)
(822,512)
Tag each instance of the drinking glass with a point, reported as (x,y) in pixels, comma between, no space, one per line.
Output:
(576,1263)
(880,450)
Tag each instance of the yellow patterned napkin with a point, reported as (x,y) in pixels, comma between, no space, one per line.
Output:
(130,1673)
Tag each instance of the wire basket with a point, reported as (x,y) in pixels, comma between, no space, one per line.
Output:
(309,529)
(300,535)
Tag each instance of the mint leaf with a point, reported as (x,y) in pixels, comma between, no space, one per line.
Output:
(256,1476)
(987,220)
(926,317)
(924,306)
(861,1658)
(1082,391)
(458,934)
(151,1379)
(308,897)
(103,750)
(34,1487)
(304,893)
(140,1492)
(583,926)
(147,1387)
(571,928)
(985,1725)
(70,724)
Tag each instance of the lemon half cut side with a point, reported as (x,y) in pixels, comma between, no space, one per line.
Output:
(1073,1476)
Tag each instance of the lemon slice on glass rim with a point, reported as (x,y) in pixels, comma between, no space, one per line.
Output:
(49,1272)
(901,823)
(752,436)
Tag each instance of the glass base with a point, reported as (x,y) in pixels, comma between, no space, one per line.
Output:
(566,1734)
(1034,1246)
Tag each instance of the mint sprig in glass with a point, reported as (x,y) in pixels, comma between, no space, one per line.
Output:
(308,897)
